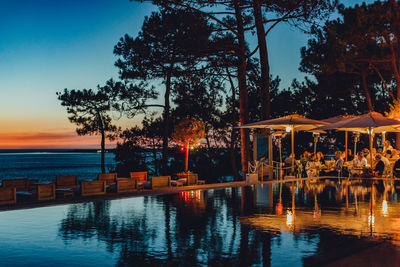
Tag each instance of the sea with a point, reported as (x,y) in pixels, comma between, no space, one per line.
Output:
(47,165)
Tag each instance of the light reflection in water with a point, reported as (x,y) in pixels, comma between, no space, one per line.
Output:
(234,226)
(289,219)
(384,208)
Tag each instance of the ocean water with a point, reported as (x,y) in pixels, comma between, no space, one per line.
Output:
(45,166)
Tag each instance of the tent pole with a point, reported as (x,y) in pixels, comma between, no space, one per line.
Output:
(355,148)
(383,139)
(370,145)
(293,148)
(345,144)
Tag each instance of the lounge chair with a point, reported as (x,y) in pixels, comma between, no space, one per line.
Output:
(190,179)
(125,185)
(141,177)
(20,184)
(46,192)
(91,188)
(67,182)
(8,195)
(159,181)
(109,178)
(66,185)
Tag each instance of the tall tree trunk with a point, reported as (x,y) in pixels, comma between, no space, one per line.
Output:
(187,157)
(396,55)
(103,167)
(243,94)
(164,160)
(366,91)
(233,132)
(265,97)
(154,150)
(103,138)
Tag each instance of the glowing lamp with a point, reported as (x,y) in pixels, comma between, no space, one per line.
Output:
(278,209)
(288,129)
(182,149)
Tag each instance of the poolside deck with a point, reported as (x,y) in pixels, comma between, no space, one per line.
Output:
(160,191)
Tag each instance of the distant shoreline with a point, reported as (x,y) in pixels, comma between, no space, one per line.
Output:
(52,151)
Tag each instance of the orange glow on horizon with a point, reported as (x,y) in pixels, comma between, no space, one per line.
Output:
(50,140)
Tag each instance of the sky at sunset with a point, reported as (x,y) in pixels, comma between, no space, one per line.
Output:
(48,45)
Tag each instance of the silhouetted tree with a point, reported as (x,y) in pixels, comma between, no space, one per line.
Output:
(188,133)
(170,44)
(89,109)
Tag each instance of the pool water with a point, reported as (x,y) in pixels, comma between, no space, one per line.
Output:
(289,224)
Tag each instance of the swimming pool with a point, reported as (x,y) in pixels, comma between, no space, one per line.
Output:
(298,223)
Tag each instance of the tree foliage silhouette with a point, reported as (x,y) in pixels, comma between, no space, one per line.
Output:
(170,44)
(88,109)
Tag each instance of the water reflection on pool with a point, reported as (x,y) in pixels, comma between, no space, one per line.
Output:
(293,223)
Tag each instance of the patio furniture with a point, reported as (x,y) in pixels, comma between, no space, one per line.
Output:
(189,178)
(92,188)
(67,182)
(8,195)
(109,178)
(176,183)
(159,182)
(66,185)
(125,185)
(140,176)
(46,191)
(20,184)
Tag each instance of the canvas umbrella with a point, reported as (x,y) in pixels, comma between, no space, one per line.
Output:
(290,123)
(337,119)
(372,122)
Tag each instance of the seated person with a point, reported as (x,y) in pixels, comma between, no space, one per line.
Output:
(387,146)
(357,164)
(313,166)
(337,168)
(386,162)
(288,163)
(396,169)
(321,158)
(388,154)
(367,156)
(394,155)
(349,154)
(379,166)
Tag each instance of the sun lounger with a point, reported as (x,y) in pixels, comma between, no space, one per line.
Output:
(109,178)
(67,182)
(159,181)
(140,176)
(46,192)
(66,185)
(125,185)
(8,195)
(20,184)
(190,179)
(91,188)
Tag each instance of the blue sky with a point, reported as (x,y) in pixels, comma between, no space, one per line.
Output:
(49,45)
